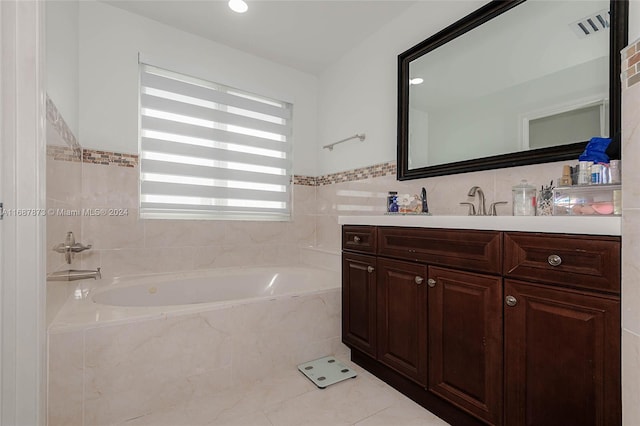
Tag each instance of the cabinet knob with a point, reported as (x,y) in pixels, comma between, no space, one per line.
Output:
(511,301)
(419,280)
(554,260)
(431,282)
(370,269)
(356,239)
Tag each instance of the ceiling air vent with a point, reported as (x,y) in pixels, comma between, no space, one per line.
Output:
(591,24)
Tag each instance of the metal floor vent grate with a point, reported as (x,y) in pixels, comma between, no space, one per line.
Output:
(326,371)
(591,24)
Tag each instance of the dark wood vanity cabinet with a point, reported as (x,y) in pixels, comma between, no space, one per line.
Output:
(562,356)
(465,341)
(359,302)
(562,329)
(513,328)
(402,318)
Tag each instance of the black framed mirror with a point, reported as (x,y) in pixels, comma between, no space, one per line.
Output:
(516,112)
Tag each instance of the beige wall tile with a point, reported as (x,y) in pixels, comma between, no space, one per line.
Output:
(121,262)
(630,378)
(137,368)
(631,270)
(183,233)
(64,181)
(631,147)
(105,232)
(109,186)
(65,385)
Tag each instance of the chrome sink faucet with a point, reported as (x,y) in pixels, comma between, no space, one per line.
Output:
(482,209)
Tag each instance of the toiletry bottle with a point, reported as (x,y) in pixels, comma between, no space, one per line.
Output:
(393,207)
(596,174)
(390,201)
(524,199)
(584,173)
(615,170)
(565,180)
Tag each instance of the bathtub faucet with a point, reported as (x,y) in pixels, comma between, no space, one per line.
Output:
(74,275)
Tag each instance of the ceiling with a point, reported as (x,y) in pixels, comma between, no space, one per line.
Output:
(304,34)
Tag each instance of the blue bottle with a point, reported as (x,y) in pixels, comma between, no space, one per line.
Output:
(393,207)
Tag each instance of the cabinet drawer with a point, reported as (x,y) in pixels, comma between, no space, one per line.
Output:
(468,249)
(586,262)
(359,238)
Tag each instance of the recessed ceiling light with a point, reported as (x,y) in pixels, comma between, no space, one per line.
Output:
(238,6)
(415,81)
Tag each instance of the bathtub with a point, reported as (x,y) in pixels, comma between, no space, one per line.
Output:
(138,344)
(216,286)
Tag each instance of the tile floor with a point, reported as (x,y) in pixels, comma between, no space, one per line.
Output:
(292,400)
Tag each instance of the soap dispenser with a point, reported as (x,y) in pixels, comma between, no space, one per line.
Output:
(524,199)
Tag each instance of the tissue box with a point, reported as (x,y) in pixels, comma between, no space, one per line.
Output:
(587,200)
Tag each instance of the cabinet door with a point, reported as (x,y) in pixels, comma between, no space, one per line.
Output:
(402,318)
(562,357)
(359,302)
(465,341)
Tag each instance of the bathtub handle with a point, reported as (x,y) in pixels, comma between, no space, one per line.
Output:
(370,269)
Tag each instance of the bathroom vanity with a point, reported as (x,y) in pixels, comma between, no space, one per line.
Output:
(488,326)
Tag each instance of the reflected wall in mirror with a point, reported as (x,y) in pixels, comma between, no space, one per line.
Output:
(514,83)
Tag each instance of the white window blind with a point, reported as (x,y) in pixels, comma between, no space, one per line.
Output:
(209,151)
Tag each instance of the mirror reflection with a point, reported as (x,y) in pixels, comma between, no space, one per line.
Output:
(534,77)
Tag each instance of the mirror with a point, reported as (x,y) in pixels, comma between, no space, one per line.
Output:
(513,83)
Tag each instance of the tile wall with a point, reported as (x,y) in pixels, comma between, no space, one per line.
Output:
(631,235)
(64,184)
(113,373)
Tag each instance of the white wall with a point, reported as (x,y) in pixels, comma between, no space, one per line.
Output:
(358,93)
(110,40)
(62,58)
(634,20)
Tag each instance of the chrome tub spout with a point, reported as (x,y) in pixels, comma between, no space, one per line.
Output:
(74,275)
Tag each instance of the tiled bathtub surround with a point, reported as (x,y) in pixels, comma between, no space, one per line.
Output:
(109,374)
(64,185)
(631,235)
(126,245)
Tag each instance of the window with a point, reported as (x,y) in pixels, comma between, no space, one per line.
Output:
(209,151)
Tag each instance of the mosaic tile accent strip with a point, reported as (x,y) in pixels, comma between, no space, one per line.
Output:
(109,158)
(305,180)
(630,65)
(55,118)
(63,153)
(377,170)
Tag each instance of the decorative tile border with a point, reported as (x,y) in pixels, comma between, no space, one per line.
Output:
(631,65)
(107,158)
(377,170)
(55,118)
(305,180)
(63,153)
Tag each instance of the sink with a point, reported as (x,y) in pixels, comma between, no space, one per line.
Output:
(610,225)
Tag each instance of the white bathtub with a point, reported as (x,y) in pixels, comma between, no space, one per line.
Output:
(136,345)
(239,284)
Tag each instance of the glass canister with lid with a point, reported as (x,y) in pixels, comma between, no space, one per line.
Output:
(524,199)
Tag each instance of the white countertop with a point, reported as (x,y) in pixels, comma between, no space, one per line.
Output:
(589,225)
